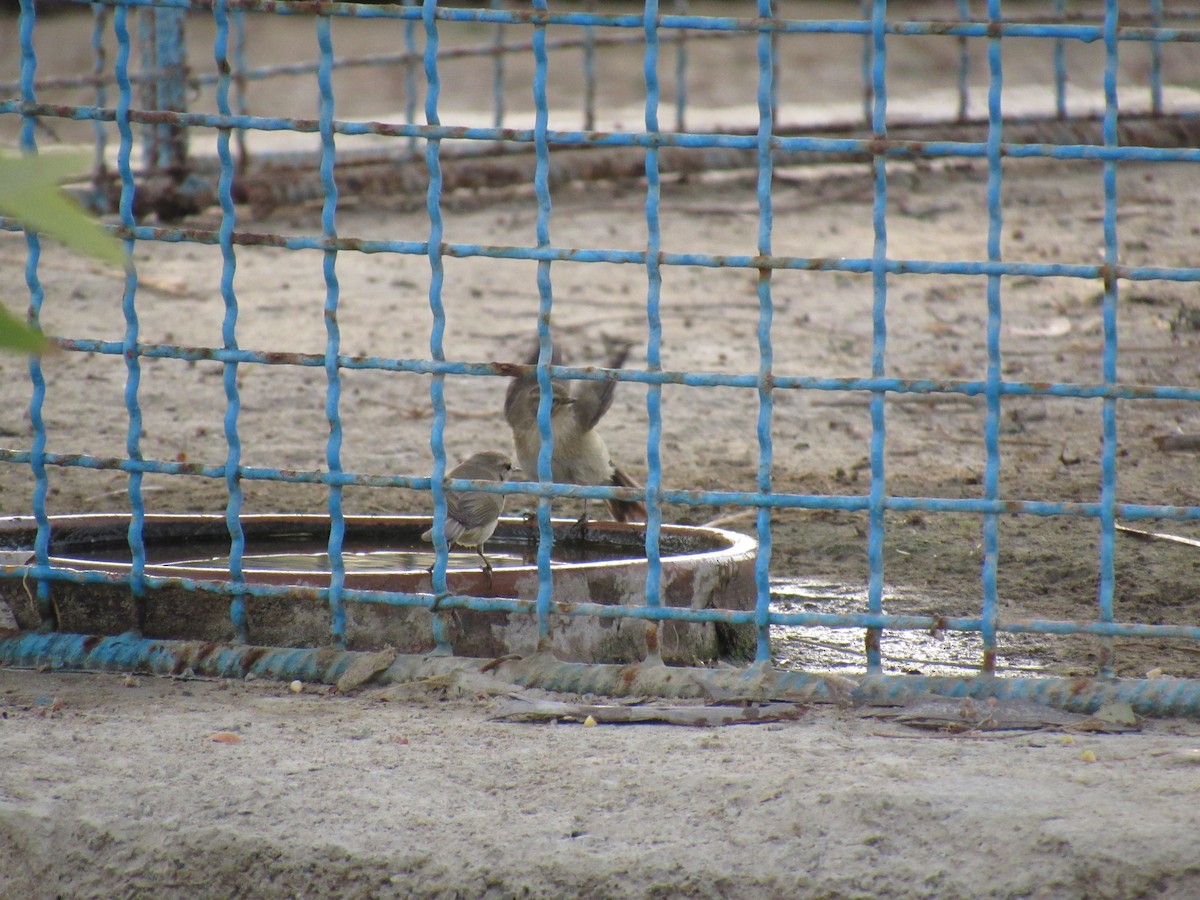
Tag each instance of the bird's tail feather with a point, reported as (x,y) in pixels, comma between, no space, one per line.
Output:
(626,510)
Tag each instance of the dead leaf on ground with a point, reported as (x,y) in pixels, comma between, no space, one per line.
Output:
(528,710)
(960,715)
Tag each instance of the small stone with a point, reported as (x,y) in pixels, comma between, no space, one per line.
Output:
(589,722)
(296,686)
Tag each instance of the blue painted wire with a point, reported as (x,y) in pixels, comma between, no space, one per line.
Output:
(129,307)
(991,428)
(875,536)
(653,316)
(1108,445)
(1060,67)
(766,403)
(233,443)
(541,185)
(333,380)
(37,295)
(437,386)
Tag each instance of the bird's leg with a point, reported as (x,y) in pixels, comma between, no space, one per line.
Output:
(578,531)
(487,566)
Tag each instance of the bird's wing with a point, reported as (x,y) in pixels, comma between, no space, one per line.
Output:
(524,388)
(471,509)
(593,398)
(454,528)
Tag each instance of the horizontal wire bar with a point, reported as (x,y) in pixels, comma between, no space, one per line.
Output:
(780,500)
(689,140)
(857,266)
(596,373)
(130,652)
(601,610)
(861,27)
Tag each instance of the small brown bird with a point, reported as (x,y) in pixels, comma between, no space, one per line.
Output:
(580,455)
(471,516)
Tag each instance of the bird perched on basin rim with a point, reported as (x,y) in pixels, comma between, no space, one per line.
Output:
(471,516)
(580,455)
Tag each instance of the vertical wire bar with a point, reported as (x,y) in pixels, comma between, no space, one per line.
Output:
(589,70)
(991,431)
(333,381)
(99,199)
(437,393)
(233,455)
(129,307)
(37,295)
(653,314)
(1060,66)
(681,65)
(766,126)
(964,63)
(541,184)
(879,342)
(498,69)
(1108,447)
(1156,89)
(410,77)
(868,61)
(240,86)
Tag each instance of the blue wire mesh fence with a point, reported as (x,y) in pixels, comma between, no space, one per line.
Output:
(154,174)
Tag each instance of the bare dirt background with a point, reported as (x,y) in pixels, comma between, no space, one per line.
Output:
(107,790)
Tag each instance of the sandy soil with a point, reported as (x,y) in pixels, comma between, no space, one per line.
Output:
(113,790)
(115,787)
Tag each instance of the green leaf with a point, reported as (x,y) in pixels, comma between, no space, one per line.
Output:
(29,191)
(16,335)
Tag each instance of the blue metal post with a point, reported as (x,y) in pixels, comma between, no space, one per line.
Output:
(498,69)
(164,53)
(1060,66)
(681,67)
(964,63)
(99,201)
(589,71)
